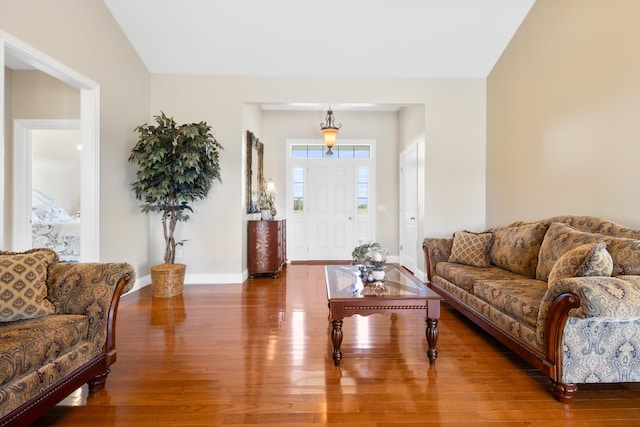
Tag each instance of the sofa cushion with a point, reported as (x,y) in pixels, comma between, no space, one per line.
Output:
(520,299)
(23,284)
(465,275)
(37,383)
(561,238)
(591,259)
(497,317)
(471,248)
(29,344)
(516,248)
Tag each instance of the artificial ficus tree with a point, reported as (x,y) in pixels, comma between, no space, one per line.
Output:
(177,165)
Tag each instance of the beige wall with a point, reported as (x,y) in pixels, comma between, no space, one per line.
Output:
(563,120)
(82,35)
(454,122)
(37,95)
(410,126)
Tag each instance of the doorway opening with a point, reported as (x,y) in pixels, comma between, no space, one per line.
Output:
(46,208)
(15,54)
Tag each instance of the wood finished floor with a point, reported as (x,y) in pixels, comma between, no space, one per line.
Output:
(260,354)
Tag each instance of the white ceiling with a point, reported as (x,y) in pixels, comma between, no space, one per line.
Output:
(356,38)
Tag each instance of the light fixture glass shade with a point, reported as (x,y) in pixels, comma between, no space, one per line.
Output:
(330,131)
(330,135)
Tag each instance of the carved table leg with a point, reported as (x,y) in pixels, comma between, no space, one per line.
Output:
(336,338)
(432,339)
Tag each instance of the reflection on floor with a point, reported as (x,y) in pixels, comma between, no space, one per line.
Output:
(260,354)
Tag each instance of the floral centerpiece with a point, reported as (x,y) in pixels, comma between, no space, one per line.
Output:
(368,257)
(267,203)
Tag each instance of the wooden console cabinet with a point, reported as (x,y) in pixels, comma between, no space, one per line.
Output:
(267,247)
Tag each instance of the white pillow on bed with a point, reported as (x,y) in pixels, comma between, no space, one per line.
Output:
(51,213)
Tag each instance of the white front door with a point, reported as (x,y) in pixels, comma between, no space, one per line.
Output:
(330,216)
(329,203)
(409,208)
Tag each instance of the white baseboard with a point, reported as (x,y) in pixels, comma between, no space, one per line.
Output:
(213,279)
(420,275)
(235,279)
(140,283)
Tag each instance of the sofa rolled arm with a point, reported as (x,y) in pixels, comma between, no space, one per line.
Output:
(614,298)
(92,289)
(603,297)
(436,249)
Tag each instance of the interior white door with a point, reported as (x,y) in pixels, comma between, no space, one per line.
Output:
(330,215)
(409,208)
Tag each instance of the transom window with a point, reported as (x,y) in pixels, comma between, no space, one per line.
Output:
(339,151)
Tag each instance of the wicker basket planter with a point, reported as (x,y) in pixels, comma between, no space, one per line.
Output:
(167,280)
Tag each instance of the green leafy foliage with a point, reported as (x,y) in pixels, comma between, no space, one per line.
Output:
(177,165)
(360,254)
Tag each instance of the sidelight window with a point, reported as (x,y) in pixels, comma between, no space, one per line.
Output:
(298,190)
(363,190)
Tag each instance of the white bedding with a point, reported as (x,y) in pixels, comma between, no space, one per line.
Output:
(62,237)
(52,227)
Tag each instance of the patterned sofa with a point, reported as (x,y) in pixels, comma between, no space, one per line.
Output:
(57,329)
(563,293)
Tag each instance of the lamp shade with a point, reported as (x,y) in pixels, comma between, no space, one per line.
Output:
(330,136)
(329,130)
(271,188)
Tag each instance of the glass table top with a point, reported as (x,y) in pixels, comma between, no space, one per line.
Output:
(344,282)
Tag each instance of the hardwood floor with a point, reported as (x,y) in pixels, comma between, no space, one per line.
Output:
(260,354)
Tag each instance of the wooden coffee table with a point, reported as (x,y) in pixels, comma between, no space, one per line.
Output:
(397,293)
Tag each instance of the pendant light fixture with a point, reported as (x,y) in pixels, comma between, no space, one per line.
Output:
(330,131)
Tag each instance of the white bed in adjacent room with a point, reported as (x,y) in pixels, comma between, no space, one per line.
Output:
(53,227)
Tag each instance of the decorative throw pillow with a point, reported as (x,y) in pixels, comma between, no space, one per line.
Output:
(516,248)
(23,284)
(561,238)
(591,259)
(471,248)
